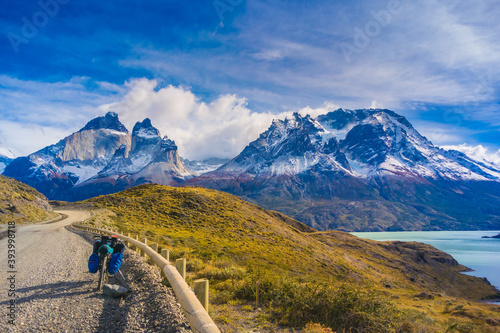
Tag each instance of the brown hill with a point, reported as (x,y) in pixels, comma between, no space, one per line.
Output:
(22,203)
(333,277)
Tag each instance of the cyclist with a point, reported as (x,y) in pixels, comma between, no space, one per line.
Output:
(116,259)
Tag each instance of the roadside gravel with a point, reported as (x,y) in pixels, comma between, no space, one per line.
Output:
(55,292)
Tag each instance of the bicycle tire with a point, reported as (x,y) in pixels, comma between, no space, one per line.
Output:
(102,272)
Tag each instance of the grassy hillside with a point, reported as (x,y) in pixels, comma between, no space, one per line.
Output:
(330,278)
(22,203)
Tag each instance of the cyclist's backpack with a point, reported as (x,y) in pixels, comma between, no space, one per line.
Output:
(115,263)
(93,263)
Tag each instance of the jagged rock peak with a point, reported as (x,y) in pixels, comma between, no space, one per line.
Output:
(295,122)
(109,121)
(145,129)
(167,144)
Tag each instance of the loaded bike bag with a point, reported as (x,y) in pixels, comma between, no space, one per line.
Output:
(93,263)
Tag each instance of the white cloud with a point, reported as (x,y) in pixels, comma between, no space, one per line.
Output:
(221,128)
(269,55)
(440,133)
(478,153)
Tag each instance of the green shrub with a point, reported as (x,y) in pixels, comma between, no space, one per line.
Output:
(296,303)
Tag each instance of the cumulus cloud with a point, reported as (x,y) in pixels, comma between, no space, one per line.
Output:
(221,128)
(37,114)
(478,153)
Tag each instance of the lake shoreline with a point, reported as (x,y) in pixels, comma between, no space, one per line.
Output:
(469,248)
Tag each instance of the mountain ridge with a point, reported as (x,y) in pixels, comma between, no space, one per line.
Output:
(100,158)
(353,170)
(372,159)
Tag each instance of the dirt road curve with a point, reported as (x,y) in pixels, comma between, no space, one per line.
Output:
(48,287)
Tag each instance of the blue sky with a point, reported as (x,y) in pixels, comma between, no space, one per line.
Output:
(212,74)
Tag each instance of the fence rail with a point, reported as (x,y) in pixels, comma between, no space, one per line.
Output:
(197,316)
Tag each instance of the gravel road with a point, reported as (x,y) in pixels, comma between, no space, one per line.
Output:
(55,293)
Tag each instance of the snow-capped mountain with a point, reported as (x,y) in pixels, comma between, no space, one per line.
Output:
(349,164)
(290,147)
(78,157)
(347,169)
(101,152)
(381,142)
(149,159)
(360,143)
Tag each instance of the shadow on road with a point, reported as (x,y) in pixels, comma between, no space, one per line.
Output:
(54,291)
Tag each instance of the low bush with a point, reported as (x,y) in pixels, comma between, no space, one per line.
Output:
(296,303)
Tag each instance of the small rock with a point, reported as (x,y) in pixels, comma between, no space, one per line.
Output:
(114,290)
(425,295)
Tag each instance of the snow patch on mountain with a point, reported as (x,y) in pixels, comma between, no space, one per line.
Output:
(291,165)
(6,156)
(139,161)
(108,131)
(146,133)
(82,172)
(339,134)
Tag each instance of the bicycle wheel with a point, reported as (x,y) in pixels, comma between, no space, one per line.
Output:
(102,272)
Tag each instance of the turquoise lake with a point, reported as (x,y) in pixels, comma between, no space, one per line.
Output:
(467,247)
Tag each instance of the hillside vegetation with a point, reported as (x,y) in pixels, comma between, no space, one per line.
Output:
(330,279)
(22,203)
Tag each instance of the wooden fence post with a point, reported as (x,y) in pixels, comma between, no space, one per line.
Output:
(154,246)
(180,264)
(201,292)
(257,296)
(165,253)
(145,241)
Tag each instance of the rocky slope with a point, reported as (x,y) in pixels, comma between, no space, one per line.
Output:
(361,170)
